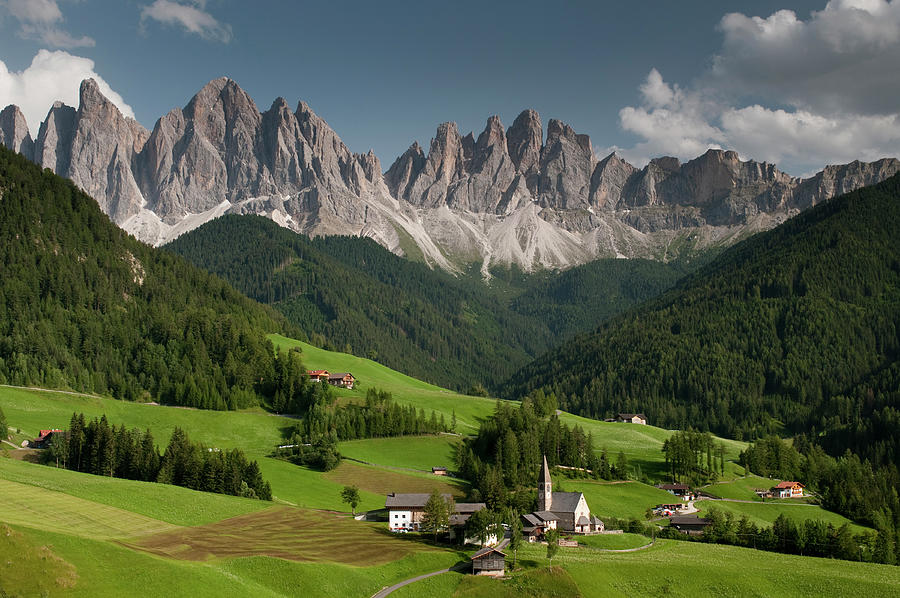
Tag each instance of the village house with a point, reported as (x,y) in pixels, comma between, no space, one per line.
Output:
(682,490)
(489,561)
(633,418)
(566,511)
(43,441)
(689,524)
(318,375)
(788,490)
(406,511)
(439,470)
(342,379)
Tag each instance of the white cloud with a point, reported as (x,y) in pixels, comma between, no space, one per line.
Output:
(845,58)
(191,16)
(833,81)
(40,19)
(51,76)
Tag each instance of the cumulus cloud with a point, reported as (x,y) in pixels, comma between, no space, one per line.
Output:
(51,76)
(833,82)
(846,57)
(191,16)
(40,20)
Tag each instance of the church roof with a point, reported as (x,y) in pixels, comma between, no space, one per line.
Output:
(545,473)
(565,502)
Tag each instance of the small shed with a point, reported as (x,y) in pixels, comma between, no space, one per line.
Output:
(633,418)
(439,470)
(489,561)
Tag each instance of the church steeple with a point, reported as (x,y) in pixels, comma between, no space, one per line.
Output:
(545,488)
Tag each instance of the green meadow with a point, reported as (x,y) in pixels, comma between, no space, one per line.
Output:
(415,452)
(670,568)
(623,500)
(742,488)
(765,514)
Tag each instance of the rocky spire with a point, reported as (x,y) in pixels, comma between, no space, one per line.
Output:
(14,132)
(567,163)
(524,140)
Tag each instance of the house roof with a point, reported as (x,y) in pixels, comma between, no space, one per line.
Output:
(544,478)
(565,502)
(486,551)
(784,485)
(317,372)
(630,415)
(583,521)
(532,519)
(45,433)
(438,469)
(469,507)
(674,487)
(416,500)
(546,516)
(688,520)
(596,520)
(340,375)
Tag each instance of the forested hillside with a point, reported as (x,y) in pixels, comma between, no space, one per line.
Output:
(797,327)
(353,295)
(85,306)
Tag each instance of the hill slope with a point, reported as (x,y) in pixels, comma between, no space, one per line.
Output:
(799,324)
(451,331)
(83,305)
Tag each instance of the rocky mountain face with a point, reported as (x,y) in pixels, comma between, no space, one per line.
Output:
(509,196)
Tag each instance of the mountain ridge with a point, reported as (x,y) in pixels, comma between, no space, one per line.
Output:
(510,196)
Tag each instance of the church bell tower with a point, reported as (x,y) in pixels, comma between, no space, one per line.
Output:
(545,489)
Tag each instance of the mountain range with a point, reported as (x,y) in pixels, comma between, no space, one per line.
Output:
(511,196)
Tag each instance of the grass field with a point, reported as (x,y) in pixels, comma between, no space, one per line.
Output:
(46,509)
(170,504)
(416,452)
(405,389)
(613,541)
(383,481)
(622,500)
(765,514)
(286,533)
(27,568)
(741,488)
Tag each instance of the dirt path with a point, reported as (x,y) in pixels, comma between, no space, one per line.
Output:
(64,392)
(458,567)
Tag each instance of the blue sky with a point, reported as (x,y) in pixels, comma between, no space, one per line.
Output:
(798,83)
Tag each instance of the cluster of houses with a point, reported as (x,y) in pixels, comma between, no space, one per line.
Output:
(342,379)
(565,511)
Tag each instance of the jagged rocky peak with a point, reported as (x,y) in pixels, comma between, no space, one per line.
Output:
(404,171)
(14,132)
(567,163)
(524,141)
(611,175)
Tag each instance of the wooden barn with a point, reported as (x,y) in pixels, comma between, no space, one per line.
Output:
(489,561)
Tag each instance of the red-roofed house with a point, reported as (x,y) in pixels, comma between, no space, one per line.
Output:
(788,490)
(43,441)
(320,375)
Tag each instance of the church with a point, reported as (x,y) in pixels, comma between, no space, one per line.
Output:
(566,511)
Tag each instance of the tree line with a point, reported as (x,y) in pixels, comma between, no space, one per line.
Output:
(847,485)
(312,439)
(99,448)
(807,538)
(504,458)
